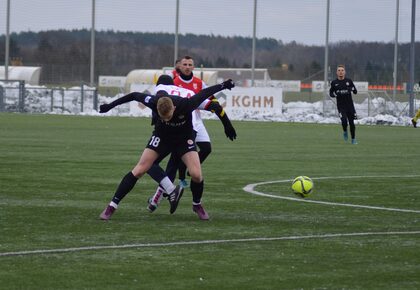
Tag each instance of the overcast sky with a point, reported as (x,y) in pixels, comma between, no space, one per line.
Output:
(287,20)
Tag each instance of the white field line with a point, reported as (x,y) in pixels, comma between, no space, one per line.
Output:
(250,188)
(204,242)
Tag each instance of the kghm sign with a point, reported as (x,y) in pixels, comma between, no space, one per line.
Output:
(254,102)
(254,99)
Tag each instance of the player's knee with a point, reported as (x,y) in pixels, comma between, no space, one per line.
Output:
(139,170)
(196,175)
(137,173)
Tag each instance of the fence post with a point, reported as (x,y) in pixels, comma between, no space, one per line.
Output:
(52,100)
(22,93)
(82,96)
(95,99)
(1,99)
(62,100)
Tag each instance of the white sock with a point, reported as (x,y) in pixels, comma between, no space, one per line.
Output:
(113,204)
(167,185)
(157,197)
(160,189)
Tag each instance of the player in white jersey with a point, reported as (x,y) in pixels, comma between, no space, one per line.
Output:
(202,139)
(202,135)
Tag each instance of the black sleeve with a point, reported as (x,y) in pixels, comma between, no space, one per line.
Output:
(332,93)
(216,108)
(197,99)
(353,87)
(147,100)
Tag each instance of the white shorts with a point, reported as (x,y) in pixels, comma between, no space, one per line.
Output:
(202,135)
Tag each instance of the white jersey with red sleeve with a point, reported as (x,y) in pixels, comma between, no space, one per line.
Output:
(198,125)
(194,84)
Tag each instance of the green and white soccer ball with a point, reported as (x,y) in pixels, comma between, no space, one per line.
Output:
(302,186)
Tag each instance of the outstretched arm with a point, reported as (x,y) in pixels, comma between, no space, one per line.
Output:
(139,97)
(197,99)
(216,108)
(353,88)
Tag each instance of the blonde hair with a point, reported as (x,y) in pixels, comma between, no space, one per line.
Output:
(341,65)
(165,106)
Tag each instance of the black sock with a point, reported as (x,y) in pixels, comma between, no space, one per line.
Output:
(344,124)
(182,171)
(352,129)
(197,190)
(126,184)
(353,132)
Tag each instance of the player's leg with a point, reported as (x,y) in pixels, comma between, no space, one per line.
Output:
(415,119)
(202,140)
(166,186)
(172,166)
(344,125)
(205,150)
(151,153)
(350,117)
(129,180)
(164,146)
(173,163)
(155,172)
(203,153)
(192,161)
(182,172)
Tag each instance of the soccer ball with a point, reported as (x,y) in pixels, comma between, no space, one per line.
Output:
(302,186)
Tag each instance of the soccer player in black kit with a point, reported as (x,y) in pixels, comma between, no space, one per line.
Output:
(173,133)
(341,89)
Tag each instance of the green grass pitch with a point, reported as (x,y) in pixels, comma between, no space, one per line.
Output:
(57,173)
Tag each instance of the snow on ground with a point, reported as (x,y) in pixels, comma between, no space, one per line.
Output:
(68,101)
(299,112)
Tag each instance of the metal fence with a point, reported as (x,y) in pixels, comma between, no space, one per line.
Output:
(15,96)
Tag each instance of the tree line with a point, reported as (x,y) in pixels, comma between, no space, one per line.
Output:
(64,55)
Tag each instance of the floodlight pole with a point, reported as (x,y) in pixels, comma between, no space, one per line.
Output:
(397,14)
(92,47)
(327,33)
(7,43)
(253,45)
(176,32)
(412,54)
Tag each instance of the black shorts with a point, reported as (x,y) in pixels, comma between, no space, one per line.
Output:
(178,145)
(347,114)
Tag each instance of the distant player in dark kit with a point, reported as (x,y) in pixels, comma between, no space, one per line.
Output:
(341,89)
(173,133)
